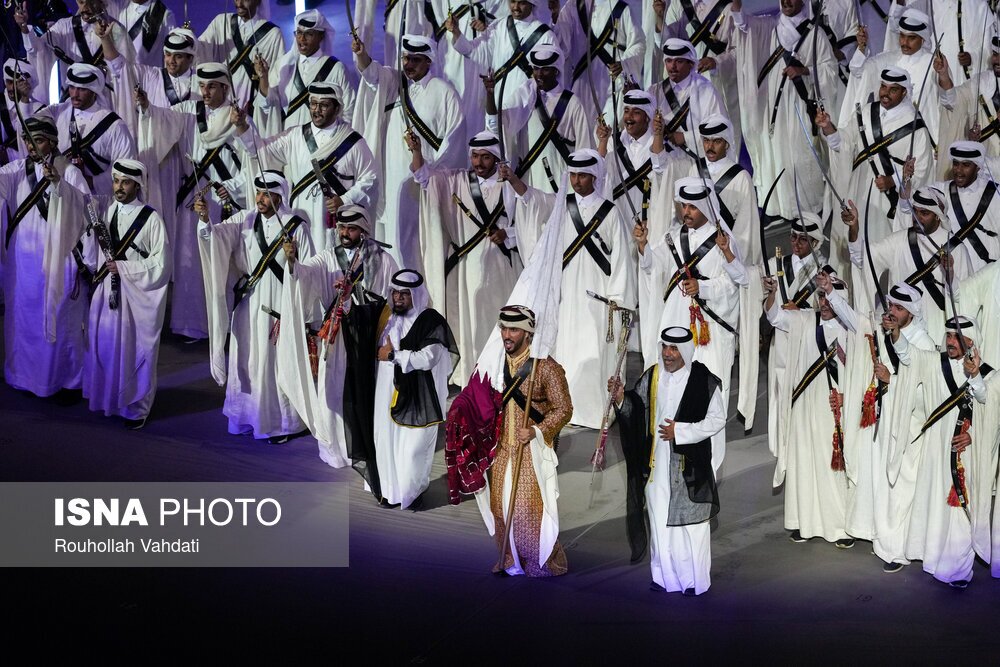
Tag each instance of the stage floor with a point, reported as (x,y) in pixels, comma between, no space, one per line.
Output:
(419,583)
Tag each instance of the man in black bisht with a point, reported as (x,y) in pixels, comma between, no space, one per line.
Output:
(673,434)
(409,351)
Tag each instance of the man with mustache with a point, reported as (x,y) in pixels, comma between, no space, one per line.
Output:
(501,49)
(810,449)
(671,470)
(246,250)
(881,505)
(389,105)
(285,83)
(868,156)
(965,27)
(128,302)
(478,271)
(195,144)
(911,256)
(913,55)
(973,206)
(341,153)
(487,429)
(706,292)
(685,97)
(247,42)
(630,169)
(90,134)
(708,25)
(581,236)
(44,296)
(318,373)
(950,520)
(413,351)
(542,121)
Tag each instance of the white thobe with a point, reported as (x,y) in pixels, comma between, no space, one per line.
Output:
(716,288)
(941,535)
(522,127)
(788,143)
(892,255)
(439,107)
(119,375)
(988,229)
(216,45)
(480,283)
(36,264)
(290,152)
(626,45)
(723,75)
(704,101)
(582,348)
(116,143)
(404,454)
(815,495)
(680,556)
(41,50)
(136,12)
(167,135)
(283,86)
(254,401)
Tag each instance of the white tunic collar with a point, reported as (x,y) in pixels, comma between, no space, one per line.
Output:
(593,199)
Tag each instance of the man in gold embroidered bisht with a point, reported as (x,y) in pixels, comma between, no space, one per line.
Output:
(486,428)
(673,434)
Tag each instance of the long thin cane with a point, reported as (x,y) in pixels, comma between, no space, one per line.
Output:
(517,468)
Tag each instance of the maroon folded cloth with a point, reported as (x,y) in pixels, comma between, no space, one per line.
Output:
(471,435)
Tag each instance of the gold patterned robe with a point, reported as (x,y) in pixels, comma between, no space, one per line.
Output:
(551,398)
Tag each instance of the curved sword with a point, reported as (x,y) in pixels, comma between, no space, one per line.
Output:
(868,252)
(399,66)
(617,133)
(767,198)
(350,19)
(819,163)
(589,15)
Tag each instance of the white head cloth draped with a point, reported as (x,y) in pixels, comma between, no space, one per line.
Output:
(131,169)
(909,298)
(968,325)
(485,141)
(399,325)
(15,66)
(273,181)
(640,99)
(682,339)
(180,40)
(717,126)
(915,22)
(930,198)
(968,151)
(896,76)
(354,216)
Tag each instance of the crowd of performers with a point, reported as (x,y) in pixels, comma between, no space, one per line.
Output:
(508,198)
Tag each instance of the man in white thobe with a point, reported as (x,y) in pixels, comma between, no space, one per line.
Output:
(950,518)
(971,109)
(314,365)
(44,299)
(326,140)
(285,89)
(249,244)
(247,42)
(147,23)
(777,99)
(681,458)
(686,276)
(540,122)
(595,258)
(477,272)
(810,449)
(911,256)
(389,104)
(604,45)
(415,357)
(195,143)
(131,265)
